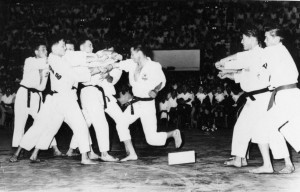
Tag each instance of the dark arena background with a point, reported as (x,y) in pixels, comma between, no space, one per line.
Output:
(187,37)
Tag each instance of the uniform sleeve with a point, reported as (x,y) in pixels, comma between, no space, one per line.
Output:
(127,65)
(243,61)
(237,77)
(35,63)
(116,74)
(82,74)
(158,76)
(76,58)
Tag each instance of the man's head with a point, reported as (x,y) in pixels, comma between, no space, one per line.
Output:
(200,89)
(70,45)
(86,46)
(138,51)
(173,93)
(273,35)
(58,46)
(250,37)
(40,51)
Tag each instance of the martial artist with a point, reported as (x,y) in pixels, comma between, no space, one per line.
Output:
(29,96)
(147,79)
(96,96)
(249,70)
(283,110)
(62,104)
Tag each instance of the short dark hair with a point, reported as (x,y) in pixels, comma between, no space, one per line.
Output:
(251,30)
(275,30)
(37,43)
(141,46)
(69,41)
(55,39)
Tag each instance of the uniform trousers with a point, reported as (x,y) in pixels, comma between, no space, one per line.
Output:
(146,111)
(92,103)
(246,124)
(57,108)
(22,111)
(282,122)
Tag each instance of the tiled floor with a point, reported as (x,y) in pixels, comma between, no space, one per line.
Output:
(150,173)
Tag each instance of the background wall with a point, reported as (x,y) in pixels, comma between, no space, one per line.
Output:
(181,60)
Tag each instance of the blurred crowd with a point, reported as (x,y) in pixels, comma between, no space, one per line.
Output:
(211,26)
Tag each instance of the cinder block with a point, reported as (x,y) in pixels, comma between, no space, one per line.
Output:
(181,157)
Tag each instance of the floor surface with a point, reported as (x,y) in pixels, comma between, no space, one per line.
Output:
(150,173)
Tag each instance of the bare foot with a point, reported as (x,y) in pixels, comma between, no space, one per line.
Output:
(57,154)
(262,170)
(108,158)
(234,163)
(34,159)
(72,154)
(177,138)
(130,158)
(287,170)
(93,156)
(244,162)
(88,162)
(13,158)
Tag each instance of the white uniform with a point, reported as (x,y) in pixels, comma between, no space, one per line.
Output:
(254,76)
(29,97)
(93,103)
(62,105)
(150,76)
(286,107)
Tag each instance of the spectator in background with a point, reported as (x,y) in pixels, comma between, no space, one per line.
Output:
(7,104)
(184,100)
(202,108)
(237,101)
(173,112)
(218,108)
(164,109)
(124,95)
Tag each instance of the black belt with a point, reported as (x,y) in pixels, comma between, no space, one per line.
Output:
(103,93)
(134,100)
(52,92)
(29,91)
(272,99)
(250,94)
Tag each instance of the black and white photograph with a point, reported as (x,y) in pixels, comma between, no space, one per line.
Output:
(149,95)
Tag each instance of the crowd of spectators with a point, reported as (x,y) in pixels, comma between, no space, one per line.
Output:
(206,103)
(211,26)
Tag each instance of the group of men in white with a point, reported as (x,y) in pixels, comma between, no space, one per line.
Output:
(270,117)
(98,72)
(267,75)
